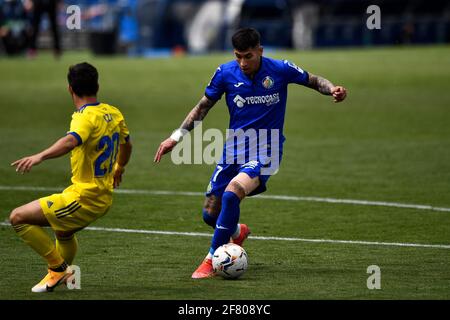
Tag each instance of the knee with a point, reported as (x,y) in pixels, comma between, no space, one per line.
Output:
(235,188)
(16,217)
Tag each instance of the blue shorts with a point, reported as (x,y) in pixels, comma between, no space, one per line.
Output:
(224,173)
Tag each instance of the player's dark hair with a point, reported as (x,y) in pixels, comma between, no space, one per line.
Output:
(246,38)
(83,78)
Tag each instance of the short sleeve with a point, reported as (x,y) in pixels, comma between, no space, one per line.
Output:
(80,127)
(295,74)
(216,87)
(124,132)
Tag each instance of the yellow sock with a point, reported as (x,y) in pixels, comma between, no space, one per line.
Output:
(67,247)
(41,242)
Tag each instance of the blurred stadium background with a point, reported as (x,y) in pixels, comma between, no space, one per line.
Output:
(162,27)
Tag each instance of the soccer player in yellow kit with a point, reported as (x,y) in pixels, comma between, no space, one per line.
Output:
(100,145)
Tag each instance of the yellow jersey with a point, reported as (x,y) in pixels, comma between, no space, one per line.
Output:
(99,129)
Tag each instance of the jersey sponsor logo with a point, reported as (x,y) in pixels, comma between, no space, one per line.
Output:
(237,85)
(293,65)
(268,82)
(239,101)
(268,100)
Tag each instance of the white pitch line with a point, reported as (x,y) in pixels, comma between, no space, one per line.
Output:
(269,197)
(199,234)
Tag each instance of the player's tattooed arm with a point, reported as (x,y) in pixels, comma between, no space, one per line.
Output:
(320,84)
(198,113)
(325,86)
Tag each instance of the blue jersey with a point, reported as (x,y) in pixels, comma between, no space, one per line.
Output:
(256,105)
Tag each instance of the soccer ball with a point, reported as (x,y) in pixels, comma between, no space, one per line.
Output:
(230,261)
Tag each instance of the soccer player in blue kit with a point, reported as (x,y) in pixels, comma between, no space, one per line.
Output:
(255,88)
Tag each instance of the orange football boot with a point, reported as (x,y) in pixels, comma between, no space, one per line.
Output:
(52,280)
(205,270)
(245,231)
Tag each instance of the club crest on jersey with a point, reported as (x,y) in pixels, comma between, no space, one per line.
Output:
(268,82)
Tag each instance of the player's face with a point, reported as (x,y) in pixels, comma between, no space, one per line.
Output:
(249,60)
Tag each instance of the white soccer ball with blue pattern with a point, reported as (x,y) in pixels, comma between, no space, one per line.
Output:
(230,261)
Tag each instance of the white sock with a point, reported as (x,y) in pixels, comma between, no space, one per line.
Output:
(209,256)
(237,232)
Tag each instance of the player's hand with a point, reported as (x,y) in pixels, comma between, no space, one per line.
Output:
(25,164)
(339,93)
(165,147)
(118,172)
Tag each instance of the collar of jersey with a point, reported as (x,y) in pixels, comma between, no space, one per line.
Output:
(87,105)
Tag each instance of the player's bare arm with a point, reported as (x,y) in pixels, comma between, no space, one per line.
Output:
(122,160)
(59,148)
(326,87)
(198,113)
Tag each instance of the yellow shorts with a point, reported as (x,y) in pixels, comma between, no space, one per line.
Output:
(65,212)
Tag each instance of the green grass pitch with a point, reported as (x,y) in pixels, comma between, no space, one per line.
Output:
(389,141)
